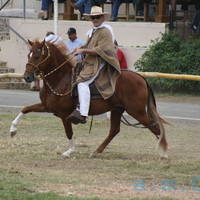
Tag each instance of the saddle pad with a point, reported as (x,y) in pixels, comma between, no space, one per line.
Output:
(93,91)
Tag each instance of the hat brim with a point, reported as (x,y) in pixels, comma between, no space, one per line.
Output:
(88,16)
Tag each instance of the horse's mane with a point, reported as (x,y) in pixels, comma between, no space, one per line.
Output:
(58,45)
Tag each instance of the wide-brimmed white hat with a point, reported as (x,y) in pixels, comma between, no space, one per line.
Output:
(96,10)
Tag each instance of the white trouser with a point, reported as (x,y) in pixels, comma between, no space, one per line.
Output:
(84,93)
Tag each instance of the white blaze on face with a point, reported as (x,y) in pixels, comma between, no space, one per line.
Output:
(31,54)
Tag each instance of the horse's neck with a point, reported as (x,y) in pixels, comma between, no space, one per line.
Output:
(58,74)
(58,64)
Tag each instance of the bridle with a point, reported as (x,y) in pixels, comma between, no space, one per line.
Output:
(39,62)
(42,75)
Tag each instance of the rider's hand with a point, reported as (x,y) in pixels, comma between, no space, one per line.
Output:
(78,51)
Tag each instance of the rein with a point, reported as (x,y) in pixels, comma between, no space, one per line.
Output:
(42,76)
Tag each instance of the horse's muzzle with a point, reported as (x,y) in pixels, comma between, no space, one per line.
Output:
(29,77)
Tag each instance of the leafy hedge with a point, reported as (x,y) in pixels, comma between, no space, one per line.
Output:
(171,55)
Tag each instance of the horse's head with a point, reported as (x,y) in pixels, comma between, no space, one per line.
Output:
(37,59)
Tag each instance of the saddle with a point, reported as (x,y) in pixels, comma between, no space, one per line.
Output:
(93,89)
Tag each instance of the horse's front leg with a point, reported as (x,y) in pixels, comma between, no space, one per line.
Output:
(71,149)
(69,133)
(39,107)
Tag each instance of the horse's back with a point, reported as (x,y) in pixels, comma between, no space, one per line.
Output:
(132,93)
(131,83)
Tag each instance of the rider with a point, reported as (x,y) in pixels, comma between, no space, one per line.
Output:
(100,64)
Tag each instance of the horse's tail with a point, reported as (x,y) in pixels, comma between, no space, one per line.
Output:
(155,116)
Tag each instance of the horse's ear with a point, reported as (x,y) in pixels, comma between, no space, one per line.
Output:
(31,43)
(43,42)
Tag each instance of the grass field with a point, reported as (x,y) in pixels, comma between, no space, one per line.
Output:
(31,166)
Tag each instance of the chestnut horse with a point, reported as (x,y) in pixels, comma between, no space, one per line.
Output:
(54,64)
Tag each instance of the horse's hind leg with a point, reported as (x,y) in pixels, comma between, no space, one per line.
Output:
(158,129)
(34,108)
(114,129)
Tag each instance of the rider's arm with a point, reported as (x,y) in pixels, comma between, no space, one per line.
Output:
(91,52)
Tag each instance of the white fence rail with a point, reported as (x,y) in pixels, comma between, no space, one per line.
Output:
(11,75)
(145,74)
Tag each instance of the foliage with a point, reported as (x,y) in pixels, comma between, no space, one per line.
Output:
(171,55)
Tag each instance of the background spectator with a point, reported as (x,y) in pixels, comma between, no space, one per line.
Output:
(140,6)
(50,36)
(184,7)
(45,8)
(195,22)
(84,6)
(116,5)
(121,57)
(74,42)
(96,2)
(36,86)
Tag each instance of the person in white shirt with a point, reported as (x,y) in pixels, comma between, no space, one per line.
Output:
(74,42)
(50,36)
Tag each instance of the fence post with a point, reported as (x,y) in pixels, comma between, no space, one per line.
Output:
(24,8)
(171,20)
(55,17)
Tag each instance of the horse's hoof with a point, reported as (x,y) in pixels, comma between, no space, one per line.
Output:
(92,155)
(13,133)
(65,156)
(163,156)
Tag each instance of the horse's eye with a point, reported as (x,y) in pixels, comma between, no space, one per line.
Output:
(37,57)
